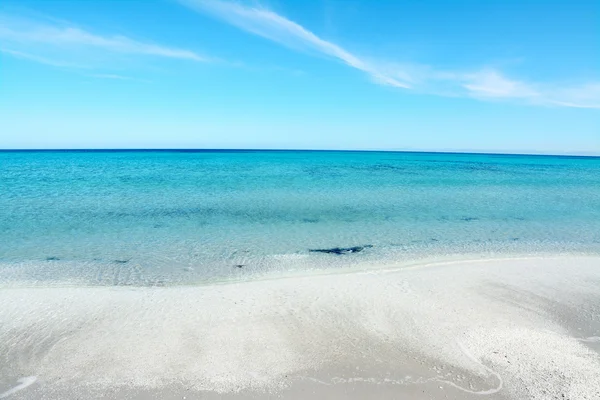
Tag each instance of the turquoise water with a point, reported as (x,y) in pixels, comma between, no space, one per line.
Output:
(169,217)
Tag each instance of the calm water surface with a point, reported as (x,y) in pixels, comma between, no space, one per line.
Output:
(167,217)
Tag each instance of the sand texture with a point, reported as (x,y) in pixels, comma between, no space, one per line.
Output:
(514,328)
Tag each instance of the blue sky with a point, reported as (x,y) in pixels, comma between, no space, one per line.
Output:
(507,76)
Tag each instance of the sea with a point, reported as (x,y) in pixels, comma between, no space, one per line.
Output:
(193,217)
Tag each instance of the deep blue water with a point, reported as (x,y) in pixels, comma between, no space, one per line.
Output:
(171,217)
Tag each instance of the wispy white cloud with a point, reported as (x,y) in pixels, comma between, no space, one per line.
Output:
(111,76)
(272,26)
(492,84)
(64,45)
(116,77)
(39,59)
(480,83)
(42,60)
(583,96)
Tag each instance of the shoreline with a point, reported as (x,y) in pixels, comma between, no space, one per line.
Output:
(506,327)
(356,266)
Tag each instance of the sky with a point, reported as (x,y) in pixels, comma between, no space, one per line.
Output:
(435,75)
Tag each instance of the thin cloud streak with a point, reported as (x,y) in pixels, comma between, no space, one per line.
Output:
(111,76)
(27,39)
(483,83)
(490,83)
(265,23)
(38,59)
(116,77)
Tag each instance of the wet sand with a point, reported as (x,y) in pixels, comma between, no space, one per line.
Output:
(511,328)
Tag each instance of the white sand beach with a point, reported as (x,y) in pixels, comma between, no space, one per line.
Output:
(512,328)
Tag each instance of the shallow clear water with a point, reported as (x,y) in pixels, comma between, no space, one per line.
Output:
(169,217)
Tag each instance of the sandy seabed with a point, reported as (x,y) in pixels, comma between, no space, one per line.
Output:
(514,328)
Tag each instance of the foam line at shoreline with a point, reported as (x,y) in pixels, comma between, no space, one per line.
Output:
(390,267)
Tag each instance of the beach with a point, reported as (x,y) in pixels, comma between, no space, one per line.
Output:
(299,200)
(293,274)
(497,328)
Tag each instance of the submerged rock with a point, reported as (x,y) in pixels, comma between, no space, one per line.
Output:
(341,250)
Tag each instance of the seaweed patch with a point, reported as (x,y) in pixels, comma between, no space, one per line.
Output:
(342,250)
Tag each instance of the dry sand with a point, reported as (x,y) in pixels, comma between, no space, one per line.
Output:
(518,328)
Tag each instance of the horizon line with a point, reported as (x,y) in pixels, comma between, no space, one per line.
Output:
(239,150)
